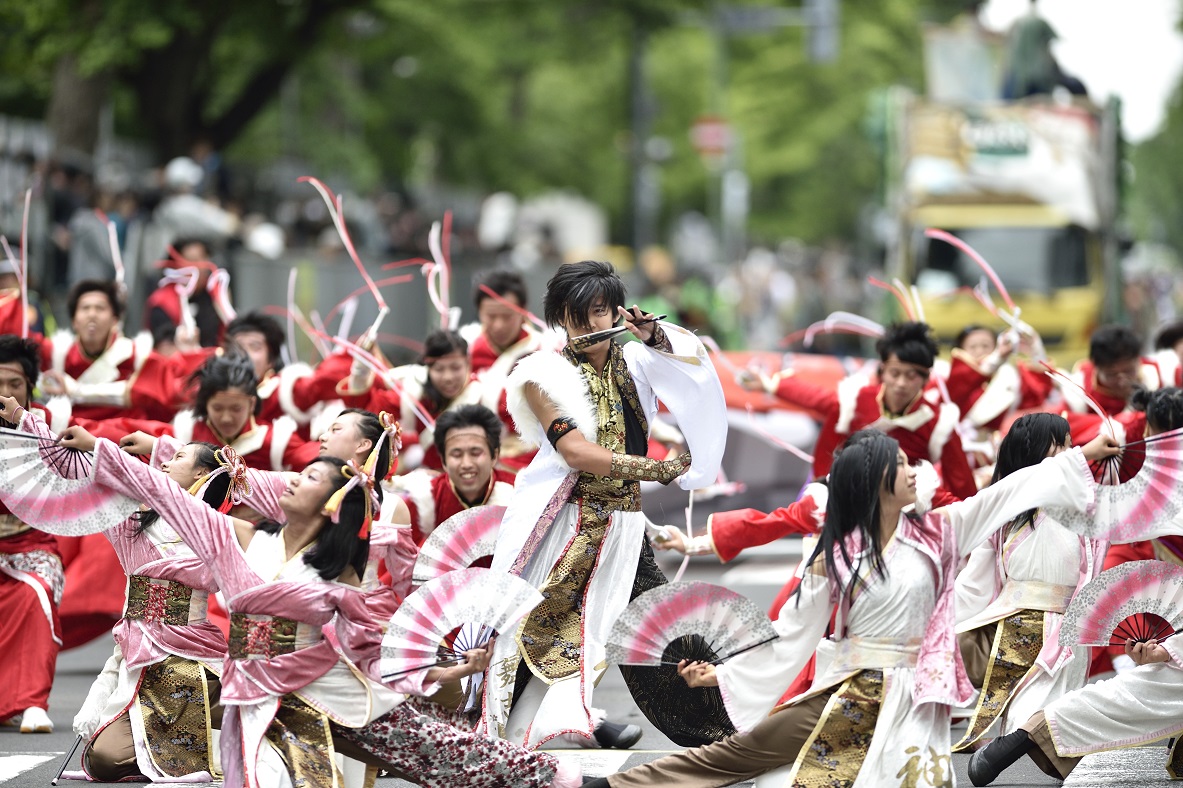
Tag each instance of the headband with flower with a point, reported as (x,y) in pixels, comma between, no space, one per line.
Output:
(229,462)
(364,476)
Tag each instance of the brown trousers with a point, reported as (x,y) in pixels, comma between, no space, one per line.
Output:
(111,756)
(1045,756)
(773,743)
(976,646)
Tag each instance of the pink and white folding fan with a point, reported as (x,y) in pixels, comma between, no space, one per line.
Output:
(1141,600)
(1125,511)
(458,543)
(34,488)
(421,632)
(728,623)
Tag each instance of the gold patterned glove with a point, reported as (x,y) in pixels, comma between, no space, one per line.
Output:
(644,469)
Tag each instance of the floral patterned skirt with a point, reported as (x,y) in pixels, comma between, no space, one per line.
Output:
(439,755)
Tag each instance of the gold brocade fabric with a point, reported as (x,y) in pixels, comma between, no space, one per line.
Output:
(10,525)
(551,637)
(834,753)
(173,700)
(1175,760)
(150,599)
(1017,643)
(260,636)
(305,742)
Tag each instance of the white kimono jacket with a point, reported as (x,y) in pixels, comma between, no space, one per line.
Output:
(901,624)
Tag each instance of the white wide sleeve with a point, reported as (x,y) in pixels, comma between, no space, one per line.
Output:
(686,382)
(754,681)
(1064,480)
(976,584)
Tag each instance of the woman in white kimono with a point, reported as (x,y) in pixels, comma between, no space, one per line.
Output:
(878,712)
(574,528)
(1012,594)
(1134,708)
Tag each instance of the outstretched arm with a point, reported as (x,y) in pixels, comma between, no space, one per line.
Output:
(213,537)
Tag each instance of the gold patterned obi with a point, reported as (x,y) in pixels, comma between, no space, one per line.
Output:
(256,636)
(858,653)
(10,525)
(164,601)
(615,494)
(1034,595)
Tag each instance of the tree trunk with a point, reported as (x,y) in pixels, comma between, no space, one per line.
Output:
(74,108)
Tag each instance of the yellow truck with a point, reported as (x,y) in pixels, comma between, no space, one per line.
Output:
(1033,186)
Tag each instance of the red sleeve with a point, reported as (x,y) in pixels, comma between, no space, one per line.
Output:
(11,318)
(1035,386)
(321,385)
(732,532)
(965,383)
(821,401)
(956,475)
(114,429)
(942,497)
(299,452)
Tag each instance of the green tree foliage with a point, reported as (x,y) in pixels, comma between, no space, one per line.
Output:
(1155,193)
(521,95)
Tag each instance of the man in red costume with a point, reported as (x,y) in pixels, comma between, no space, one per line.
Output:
(208,303)
(898,403)
(505,337)
(31,579)
(91,367)
(468,439)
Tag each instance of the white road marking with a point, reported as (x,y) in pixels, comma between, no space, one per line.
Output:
(14,765)
(595,763)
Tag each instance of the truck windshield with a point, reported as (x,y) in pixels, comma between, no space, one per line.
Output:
(1027,259)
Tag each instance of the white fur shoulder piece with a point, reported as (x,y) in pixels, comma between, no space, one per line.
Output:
(927,482)
(562,383)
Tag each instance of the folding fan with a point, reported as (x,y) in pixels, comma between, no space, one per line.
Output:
(423,632)
(1142,600)
(729,623)
(1124,512)
(33,488)
(458,542)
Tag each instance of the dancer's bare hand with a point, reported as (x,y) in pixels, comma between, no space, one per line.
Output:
(9,409)
(1101,447)
(1145,653)
(476,660)
(753,380)
(138,443)
(698,674)
(77,438)
(674,539)
(635,315)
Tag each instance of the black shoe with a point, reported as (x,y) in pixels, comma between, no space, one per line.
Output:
(596,782)
(996,757)
(615,736)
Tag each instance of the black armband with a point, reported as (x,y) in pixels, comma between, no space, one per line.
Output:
(558,428)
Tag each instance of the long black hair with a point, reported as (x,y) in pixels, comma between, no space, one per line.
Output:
(1027,443)
(865,466)
(214,493)
(338,544)
(575,289)
(229,372)
(437,345)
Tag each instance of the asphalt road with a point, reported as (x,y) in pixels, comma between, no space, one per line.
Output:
(32,760)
